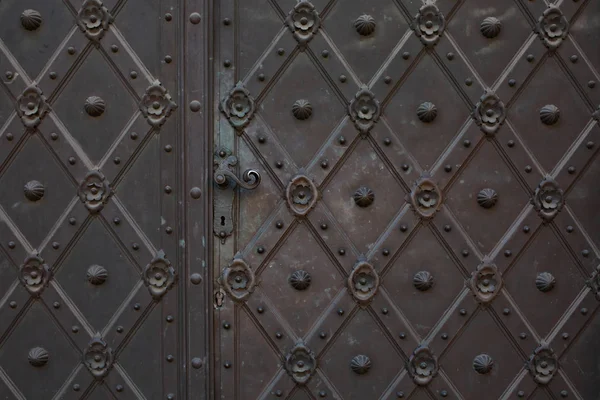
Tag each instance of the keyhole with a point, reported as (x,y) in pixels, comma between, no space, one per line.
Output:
(222,220)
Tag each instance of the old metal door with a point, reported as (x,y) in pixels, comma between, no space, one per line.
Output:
(424,226)
(89,182)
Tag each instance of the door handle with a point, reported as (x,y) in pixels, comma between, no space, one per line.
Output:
(224,175)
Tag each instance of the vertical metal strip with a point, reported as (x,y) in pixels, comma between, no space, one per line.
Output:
(170,188)
(196,142)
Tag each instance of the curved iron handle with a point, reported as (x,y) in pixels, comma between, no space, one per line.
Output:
(250,178)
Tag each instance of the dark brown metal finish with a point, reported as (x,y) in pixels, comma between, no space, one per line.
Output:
(425,223)
(91,245)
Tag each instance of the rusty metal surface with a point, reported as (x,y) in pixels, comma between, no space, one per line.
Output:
(90,260)
(425,226)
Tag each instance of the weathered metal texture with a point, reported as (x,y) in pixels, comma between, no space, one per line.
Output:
(425,226)
(90,178)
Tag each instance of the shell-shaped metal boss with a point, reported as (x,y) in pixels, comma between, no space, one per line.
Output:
(545,281)
(300,280)
(34,190)
(487,198)
(360,364)
(427,111)
(97,275)
(38,357)
(302,109)
(31,20)
(483,364)
(549,114)
(363,197)
(490,27)
(365,25)
(94,106)
(423,280)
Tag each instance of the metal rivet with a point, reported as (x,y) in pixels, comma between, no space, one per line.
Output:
(385,252)
(114,48)
(448,168)
(169,230)
(444,336)
(196,278)
(402,335)
(136,306)
(322,393)
(511,143)
(406,55)
(506,311)
(195,105)
(9,137)
(403,228)
(341,252)
(169,318)
(450,56)
(279,164)
(342,140)
(447,228)
(135,246)
(76,387)
(571,170)
(168,59)
(168,148)
(226,325)
(405,167)
(592,84)
(325,53)
(262,139)
(72,160)
(279,224)
(226,21)
(227,63)
(195,18)
(400,394)
(465,253)
(71,50)
(168,189)
(72,221)
(119,329)
(170,396)
(574,58)
(323,335)
(521,393)
(278,335)
(387,141)
(55,245)
(523,335)
(528,169)
(343,78)
(261,77)
(52,75)
(227,364)
(569,229)
(324,226)
(463,311)
(443,393)
(11,245)
(324,164)
(590,145)
(56,304)
(565,335)
(468,81)
(75,329)
(13,304)
(512,82)
(384,311)
(195,192)
(507,253)
(280,51)
(584,311)
(340,311)
(387,80)
(260,309)
(168,16)
(278,393)
(260,249)
(564,393)
(196,362)
(526,229)
(530,57)
(133,135)
(467,143)
(585,253)
(133,74)
(117,160)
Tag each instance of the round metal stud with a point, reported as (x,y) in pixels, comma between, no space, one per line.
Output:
(31,20)
(363,196)
(300,280)
(490,27)
(360,364)
(365,25)
(195,18)
(487,198)
(34,190)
